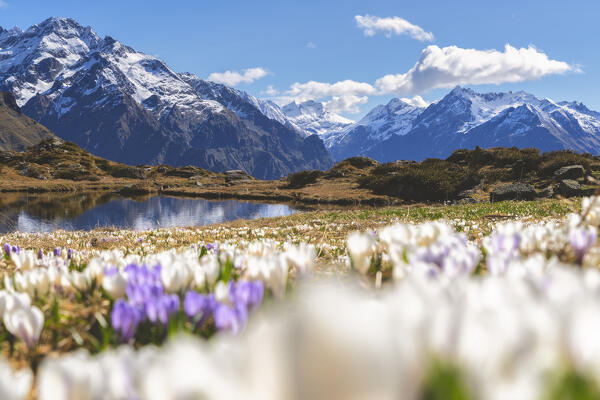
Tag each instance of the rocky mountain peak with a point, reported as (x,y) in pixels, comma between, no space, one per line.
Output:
(131,107)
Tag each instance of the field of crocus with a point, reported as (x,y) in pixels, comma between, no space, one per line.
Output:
(461,302)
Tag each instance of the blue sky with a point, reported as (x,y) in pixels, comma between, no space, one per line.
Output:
(321,41)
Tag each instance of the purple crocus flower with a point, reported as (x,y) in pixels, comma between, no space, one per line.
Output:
(16,250)
(57,252)
(227,319)
(69,254)
(247,294)
(196,304)
(7,249)
(40,255)
(159,309)
(125,319)
(582,240)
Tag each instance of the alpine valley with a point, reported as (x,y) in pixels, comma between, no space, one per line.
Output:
(130,107)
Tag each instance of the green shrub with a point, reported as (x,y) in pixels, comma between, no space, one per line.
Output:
(520,161)
(103,164)
(430,180)
(359,162)
(72,174)
(303,178)
(554,160)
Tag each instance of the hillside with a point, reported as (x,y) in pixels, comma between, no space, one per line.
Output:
(467,176)
(17,131)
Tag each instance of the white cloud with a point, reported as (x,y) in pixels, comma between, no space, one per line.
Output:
(436,68)
(270,91)
(347,104)
(416,101)
(3,4)
(450,66)
(233,78)
(392,25)
(317,90)
(311,45)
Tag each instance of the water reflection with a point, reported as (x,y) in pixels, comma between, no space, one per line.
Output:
(88,211)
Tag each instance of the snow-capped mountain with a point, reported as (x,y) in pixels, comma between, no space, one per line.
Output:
(395,118)
(131,107)
(313,118)
(466,119)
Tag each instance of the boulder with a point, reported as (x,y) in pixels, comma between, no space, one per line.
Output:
(570,172)
(546,193)
(236,175)
(6,157)
(513,191)
(570,188)
(129,172)
(467,200)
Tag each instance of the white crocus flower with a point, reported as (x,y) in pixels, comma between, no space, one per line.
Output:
(14,385)
(80,280)
(210,265)
(222,293)
(301,258)
(25,260)
(25,323)
(175,277)
(115,284)
(361,247)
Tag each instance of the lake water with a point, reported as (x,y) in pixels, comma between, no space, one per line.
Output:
(45,213)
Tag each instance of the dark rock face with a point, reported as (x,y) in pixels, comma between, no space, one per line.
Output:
(570,172)
(17,131)
(546,193)
(130,172)
(569,188)
(513,191)
(130,107)
(8,99)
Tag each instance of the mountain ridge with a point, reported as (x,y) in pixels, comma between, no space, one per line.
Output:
(17,131)
(464,118)
(137,110)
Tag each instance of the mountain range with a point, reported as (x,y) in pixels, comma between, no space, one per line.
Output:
(466,119)
(130,107)
(127,106)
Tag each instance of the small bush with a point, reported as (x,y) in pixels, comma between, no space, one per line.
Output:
(72,174)
(303,178)
(554,160)
(103,164)
(520,161)
(182,172)
(430,180)
(359,162)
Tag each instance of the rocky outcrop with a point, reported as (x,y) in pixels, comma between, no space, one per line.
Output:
(513,191)
(570,172)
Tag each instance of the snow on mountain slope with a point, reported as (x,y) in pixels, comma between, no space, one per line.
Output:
(131,107)
(395,118)
(313,118)
(465,118)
